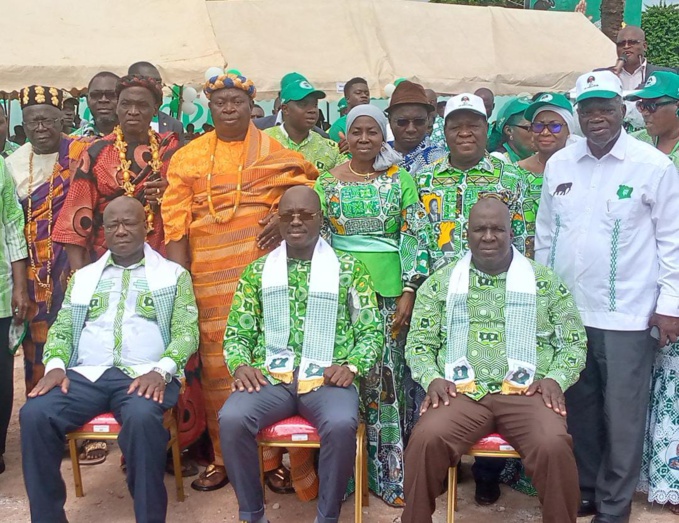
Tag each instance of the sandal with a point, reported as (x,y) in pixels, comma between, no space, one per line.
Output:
(279,481)
(212,478)
(93,452)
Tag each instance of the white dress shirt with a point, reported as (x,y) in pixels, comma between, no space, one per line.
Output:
(610,228)
(120,328)
(632,81)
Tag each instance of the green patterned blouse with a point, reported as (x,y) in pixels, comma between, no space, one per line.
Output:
(448,195)
(322,152)
(382,223)
(359,335)
(561,337)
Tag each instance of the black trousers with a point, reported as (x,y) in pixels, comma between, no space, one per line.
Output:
(6,381)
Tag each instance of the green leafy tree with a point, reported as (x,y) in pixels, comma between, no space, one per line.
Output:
(661,24)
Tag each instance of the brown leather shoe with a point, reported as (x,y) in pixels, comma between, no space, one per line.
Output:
(212,478)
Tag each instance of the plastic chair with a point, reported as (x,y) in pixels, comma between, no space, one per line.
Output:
(298,432)
(105,427)
(492,446)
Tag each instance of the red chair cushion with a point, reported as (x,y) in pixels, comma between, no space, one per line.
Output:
(294,429)
(105,423)
(493,442)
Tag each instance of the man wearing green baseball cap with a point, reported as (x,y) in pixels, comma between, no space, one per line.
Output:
(607,224)
(299,111)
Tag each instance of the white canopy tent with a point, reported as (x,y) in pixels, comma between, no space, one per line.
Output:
(64,43)
(447,48)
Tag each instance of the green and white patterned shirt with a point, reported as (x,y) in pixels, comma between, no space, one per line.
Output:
(322,152)
(359,335)
(561,337)
(448,195)
(12,240)
(122,329)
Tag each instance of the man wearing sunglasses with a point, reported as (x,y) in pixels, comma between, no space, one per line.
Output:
(631,45)
(409,112)
(284,364)
(607,224)
(101,101)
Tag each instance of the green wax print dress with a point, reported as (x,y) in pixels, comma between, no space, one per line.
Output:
(383,224)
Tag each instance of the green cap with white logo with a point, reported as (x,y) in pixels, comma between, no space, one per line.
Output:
(658,84)
(555,99)
(297,90)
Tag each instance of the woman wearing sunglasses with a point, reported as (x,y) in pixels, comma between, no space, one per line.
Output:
(658,103)
(372,210)
(513,130)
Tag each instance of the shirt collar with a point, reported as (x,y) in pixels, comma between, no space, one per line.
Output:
(642,68)
(486,164)
(618,150)
(111,263)
(287,136)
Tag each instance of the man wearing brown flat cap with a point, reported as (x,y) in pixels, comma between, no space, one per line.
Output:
(409,113)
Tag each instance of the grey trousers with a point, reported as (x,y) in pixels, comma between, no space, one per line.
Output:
(45,420)
(334,413)
(607,411)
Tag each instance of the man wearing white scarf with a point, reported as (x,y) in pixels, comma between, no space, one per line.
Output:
(127,327)
(303,325)
(495,340)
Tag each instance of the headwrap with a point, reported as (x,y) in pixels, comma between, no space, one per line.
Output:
(567,117)
(387,155)
(137,80)
(41,95)
(229,81)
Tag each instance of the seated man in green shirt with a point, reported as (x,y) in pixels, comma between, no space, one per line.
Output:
(299,107)
(495,339)
(303,325)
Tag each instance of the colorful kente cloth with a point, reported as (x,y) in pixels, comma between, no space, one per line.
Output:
(561,338)
(97,180)
(322,152)
(422,156)
(135,318)
(220,251)
(359,333)
(660,463)
(448,195)
(12,240)
(383,213)
(45,168)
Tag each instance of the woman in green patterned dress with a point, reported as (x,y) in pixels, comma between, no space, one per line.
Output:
(372,211)
(658,103)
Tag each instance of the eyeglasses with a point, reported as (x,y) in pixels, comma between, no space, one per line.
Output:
(99,95)
(552,127)
(417,122)
(524,127)
(113,227)
(651,107)
(627,43)
(288,217)
(48,124)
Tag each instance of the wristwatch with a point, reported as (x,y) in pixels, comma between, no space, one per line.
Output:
(352,368)
(167,377)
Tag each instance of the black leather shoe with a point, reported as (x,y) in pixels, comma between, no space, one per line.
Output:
(487,492)
(609,518)
(587,508)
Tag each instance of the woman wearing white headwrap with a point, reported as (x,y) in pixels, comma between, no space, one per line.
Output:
(372,210)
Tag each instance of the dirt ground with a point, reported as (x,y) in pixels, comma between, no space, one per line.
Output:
(106,497)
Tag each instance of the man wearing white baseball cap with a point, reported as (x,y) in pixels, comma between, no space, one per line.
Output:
(453,185)
(607,224)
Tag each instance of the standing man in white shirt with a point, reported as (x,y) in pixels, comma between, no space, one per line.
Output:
(128,324)
(632,64)
(608,225)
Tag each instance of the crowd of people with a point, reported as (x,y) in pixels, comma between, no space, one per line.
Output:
(420,270)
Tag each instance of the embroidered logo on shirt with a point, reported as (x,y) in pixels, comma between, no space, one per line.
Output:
(624,192)
(563,189)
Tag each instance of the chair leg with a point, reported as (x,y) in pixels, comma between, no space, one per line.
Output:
(452,493)
(358,479)
(364,475)
(260,451)
(75,463)
(176,460)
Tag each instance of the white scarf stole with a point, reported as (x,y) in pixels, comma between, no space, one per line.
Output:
(520,327)
(320,322)
(159,275)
